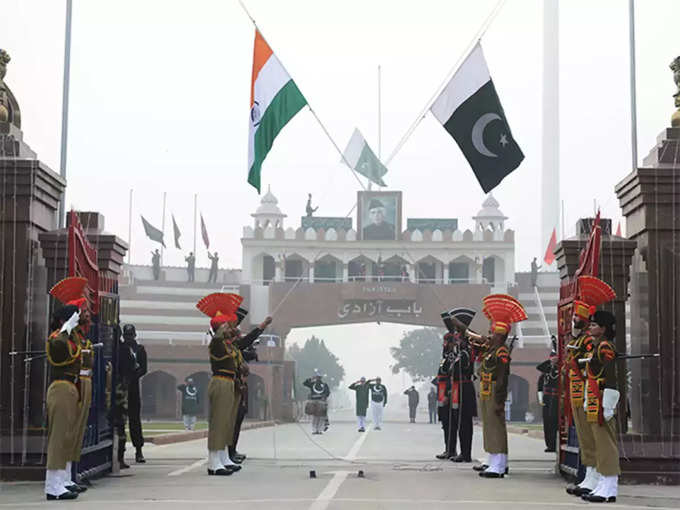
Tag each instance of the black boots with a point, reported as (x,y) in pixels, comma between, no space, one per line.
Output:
(121,454)
(139,458)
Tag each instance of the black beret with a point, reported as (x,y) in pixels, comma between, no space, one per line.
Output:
(65,312)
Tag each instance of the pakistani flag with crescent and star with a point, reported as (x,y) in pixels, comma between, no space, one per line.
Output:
(469,109)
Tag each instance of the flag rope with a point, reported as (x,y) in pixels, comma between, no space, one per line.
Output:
(477,37)
(309,106)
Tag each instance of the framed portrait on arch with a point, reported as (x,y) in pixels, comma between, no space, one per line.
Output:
(379,215)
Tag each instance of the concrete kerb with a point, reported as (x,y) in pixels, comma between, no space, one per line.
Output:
(180,437)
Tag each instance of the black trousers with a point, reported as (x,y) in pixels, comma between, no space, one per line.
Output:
(444,419)
(240,416)
(550,420)
(134,415)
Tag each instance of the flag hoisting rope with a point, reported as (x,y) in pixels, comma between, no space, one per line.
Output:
(257,116)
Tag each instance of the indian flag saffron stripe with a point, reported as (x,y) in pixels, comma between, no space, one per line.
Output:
(275,99)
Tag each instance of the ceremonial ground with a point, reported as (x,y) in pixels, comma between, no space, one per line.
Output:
(398,464)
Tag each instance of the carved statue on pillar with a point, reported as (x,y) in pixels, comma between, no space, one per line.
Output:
(675,67)
(9,108)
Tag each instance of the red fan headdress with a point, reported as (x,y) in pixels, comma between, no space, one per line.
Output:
(503,310)
(592,292)
(220,307)
(69,291)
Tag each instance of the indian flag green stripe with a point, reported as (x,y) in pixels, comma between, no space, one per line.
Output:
(286,103)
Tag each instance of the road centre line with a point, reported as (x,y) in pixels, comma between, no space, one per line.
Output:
(196,464)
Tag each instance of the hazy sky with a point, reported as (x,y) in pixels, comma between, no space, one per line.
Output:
(160,102)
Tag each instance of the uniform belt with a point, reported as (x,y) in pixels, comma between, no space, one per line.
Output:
(222,371)
(86,372)
(224,376)
(72,378)
(550,393)
(462,380)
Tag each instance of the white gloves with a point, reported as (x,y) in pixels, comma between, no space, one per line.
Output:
(540,397)
(71,323)
(585,404)
(610,398)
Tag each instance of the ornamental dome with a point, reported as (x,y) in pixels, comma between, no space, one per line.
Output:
(268,213)
(490,216)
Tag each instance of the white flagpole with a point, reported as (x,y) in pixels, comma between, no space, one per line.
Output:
(130,230)
(163,225)
(195,209)
(309,106)
(633,93)
(480,33)
(64,107)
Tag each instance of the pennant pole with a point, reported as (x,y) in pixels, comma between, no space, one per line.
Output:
(633,105)
(163,225)
(195,209)
(130,229)
(309,106)
(477,37)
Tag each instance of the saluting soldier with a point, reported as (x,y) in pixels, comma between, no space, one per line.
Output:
(602,397)
(591,292)
(79,335)
(221,307)
(361,389)
(246,353)
(502,310)
(64,356)
(317,406)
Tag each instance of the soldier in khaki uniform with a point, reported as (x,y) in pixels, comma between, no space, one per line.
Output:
(224,363)
(592,292)
(601,400)
(502,310)
(64,356)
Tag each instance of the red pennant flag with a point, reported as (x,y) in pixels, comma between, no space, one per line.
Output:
(204,234)
(549,252)
(618,230)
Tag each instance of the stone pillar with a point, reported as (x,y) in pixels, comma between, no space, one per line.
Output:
(29,198)
(311,272)
(650,201)
(446,274)
(345,272)
(413,272)
(278,271)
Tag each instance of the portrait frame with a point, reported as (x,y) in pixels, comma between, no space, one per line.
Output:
(391,201)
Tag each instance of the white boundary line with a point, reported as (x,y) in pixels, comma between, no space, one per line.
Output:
(196,464)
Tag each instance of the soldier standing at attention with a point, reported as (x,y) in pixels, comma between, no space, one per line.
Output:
(602,399)
(362,390)
(591,293)
(413,399)
(136,372)
(432,405)
(548,399)
(191,403)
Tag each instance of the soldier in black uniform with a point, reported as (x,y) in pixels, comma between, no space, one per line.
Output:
(548,398)
(245,345)
(136,372)
(463,399)
(443,383)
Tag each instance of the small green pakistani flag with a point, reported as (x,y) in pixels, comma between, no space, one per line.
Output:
(363,160)
(152,232)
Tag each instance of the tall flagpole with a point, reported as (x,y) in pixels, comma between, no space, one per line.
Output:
(64,108)
(633,93)
(163,224)
(130,230)
(195,209)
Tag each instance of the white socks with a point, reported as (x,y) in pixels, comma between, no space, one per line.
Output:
(591,480)
(54,484)
(608,487)
(497,463)
(214,461)
(225,459)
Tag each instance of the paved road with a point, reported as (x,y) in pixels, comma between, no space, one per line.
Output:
(398,462)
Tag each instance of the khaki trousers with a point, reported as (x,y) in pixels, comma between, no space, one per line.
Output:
(493,426)
(221,413)
(83,414)
(586,441)
(606,448)
(62,413)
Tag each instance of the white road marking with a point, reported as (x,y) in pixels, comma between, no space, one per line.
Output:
(324,499)
(196,464)
(352,455)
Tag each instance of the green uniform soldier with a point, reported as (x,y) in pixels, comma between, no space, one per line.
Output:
(361,388)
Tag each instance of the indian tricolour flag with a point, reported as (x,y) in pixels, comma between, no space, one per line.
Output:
(274,100)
